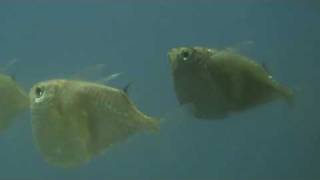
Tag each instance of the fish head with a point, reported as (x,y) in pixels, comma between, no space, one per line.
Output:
(44,92)
(59,129)
(188,56)
(181,55)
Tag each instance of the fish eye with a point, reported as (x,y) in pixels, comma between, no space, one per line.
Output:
(38,92)
(185,55)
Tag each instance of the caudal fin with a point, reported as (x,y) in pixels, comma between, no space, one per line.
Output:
(288,95)
(152,124)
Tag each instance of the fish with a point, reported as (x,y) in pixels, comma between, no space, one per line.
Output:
(14,100)
(218,82)
(74,121)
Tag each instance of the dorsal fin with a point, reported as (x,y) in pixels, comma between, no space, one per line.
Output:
(88,72)
(125,89)
(265,67)
(240,45)
(13,77)
(109,78)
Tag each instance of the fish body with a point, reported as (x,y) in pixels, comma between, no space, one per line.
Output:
(219,82)
(73,121)
(13,100)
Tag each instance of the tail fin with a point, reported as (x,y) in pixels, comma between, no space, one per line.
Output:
(153,124)
(288,95)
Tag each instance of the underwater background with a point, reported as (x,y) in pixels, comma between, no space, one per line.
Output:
(58,39)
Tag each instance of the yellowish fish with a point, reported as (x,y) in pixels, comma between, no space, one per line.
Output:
(72,121)
(219,82)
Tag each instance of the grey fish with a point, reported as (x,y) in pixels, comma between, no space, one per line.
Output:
(219,82)
(13,100)
(72,121)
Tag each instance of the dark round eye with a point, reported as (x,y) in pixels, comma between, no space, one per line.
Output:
(185,55)
(38,92)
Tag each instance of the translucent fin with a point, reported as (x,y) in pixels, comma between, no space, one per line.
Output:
(154,125)
(109,78)
(94,73)
(126,88)
(238,46)
(13,77)
(88,73)
(14,101)
(288,95)
(8,65)
(179,113)
(265,67)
